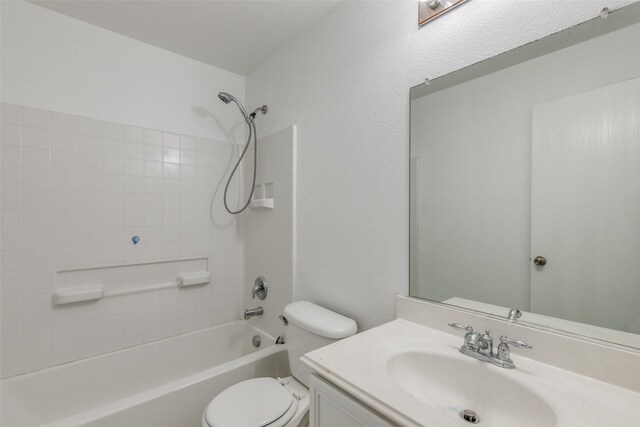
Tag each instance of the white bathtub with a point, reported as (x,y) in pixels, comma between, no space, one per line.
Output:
(166,383)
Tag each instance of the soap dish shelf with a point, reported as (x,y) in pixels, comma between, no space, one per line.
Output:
(261,204)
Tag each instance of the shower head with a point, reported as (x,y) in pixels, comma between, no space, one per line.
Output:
(227,98)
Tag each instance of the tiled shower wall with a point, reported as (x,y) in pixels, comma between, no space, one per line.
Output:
(74,191)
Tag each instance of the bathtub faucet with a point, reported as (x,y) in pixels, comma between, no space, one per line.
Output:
(252,312)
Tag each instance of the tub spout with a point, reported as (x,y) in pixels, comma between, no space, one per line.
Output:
(252,312)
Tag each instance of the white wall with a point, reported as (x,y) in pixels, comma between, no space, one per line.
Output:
(57,63)
(345,83)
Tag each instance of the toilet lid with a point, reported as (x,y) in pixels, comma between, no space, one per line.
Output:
(253,403)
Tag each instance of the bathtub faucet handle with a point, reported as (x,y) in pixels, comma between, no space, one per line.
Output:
(260,288)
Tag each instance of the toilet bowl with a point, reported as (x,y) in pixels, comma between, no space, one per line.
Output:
(281,402)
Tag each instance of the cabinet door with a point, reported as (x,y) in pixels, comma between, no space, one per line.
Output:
(331,407)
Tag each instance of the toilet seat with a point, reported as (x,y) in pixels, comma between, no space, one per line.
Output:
(257,402)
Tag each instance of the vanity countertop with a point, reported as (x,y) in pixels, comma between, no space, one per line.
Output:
(359,365)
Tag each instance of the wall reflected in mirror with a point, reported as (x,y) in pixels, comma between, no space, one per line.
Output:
(534,155)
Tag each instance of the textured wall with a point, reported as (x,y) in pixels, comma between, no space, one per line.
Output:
(345,83)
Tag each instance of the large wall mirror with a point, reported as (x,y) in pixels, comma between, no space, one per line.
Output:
(525,182)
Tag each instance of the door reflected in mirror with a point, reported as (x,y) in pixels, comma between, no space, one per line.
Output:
(525,182)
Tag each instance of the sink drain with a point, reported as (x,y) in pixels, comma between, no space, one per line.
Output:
(470,416)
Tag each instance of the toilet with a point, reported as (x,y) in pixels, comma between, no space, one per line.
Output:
(281,402)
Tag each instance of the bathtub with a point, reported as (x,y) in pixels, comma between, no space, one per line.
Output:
(166,383)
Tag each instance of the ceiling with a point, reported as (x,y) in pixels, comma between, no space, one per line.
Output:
(232,35)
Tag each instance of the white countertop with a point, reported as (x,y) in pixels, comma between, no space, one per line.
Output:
(357,365)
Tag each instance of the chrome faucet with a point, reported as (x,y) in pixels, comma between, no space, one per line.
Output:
(260,288)
(480,346)
(253,312)
(514,314)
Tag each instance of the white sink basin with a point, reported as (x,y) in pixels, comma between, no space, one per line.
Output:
(416,376)
(458,384)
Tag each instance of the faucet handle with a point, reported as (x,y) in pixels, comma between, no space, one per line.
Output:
(460,327)
(520,344)
(260,288)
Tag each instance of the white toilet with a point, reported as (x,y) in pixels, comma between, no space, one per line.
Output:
(262,402)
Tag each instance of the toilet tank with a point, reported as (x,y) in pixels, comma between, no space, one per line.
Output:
(311,327)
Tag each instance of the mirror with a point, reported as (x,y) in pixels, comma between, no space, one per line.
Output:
(525,182)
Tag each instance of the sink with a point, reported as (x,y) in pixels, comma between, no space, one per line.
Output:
(454,384)
(416,376)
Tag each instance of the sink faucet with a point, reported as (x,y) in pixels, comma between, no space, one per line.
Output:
(514,314)
(480,346)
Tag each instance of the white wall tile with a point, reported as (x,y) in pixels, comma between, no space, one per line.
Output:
(189,143)
(112,130)
(112,147)
(10,113)
(67,218)
(152,137)
(88,126)
(63,141)
(64,334)
(36,218)
(170,140)
(63,160)
(36,300)
(11,281)
(88,162)
(10,325)
(10,155)
(64,199)
(134,150)
(112,165)
(36,178)
(34,158)
(88,144)
(74,192)
(133,134)
(87,181)
(35,117)
(65,180)
(36,340)
(10,134)
(10,177)
(35,360)
(64,353)
(64,122)
(36,138)
(153,153)
(34,320)
(33,280)
(10,303)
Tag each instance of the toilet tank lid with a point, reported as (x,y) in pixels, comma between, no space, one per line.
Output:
(319,320)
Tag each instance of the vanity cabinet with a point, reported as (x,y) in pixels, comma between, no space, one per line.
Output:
(331,407)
